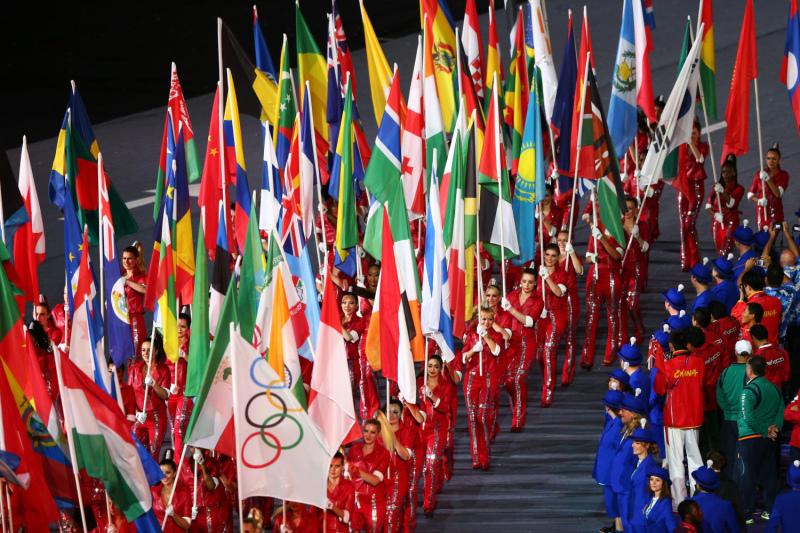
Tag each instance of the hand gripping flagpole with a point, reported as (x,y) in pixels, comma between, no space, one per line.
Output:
(174,484)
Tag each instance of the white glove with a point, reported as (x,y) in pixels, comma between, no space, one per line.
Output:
(718,217)
(173,390)
(141,417)
(401,397)
(762,202)
(764,176)
(328,505)
(591,257)
(569,248)
(702,159)
(635,231)
(645,246)
(718,188)
(169,511)
(198,457)
(478,347)
(554,175)
(323,248)
(182,354)
(543,314)
(543,272)
(480,330)
(285,529)
(637,174)
(505,304)
(195,512)
(650,192)
(319,297)
(586,217)
(149,381)
(596,233)
(360,281)
(427,392)
(361,253)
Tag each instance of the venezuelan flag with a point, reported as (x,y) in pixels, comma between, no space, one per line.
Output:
(444,54)
(233,139)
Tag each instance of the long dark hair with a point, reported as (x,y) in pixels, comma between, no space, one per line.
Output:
(39,336)
(665,492)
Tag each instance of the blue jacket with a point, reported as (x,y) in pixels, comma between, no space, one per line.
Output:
(640,380)
(623,466)
(607,449)
(738,268)
(655,404)
(703,298)
(726,292)
(718,515)
(785,512)
(639,497)
(660,518)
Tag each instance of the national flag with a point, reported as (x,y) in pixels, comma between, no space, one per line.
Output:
(346,221)
(622,112)
(391,329)
(14,212)
(529,188)
(199,347)
(290,461)
(262,101)
(737,114)
(78,157)
(251,279)
(165,293)
(73,248)
(495,213)
(472,43)
(312,70)
(286,109)
(221,277)
(563,111)
(440,47)
(413,142)
(344,61)
(459,133)
(494,57)
(708,68)
(271,188)
(104,444)
(120,338)
(644,45)
(384,170)
(582,160)
(177,114)
(471,243)
(282,353)
(309,168)
(330,400)
(649,15)
(436,321)
(471,99)
(235,153)
(516,96)
(790,66)
(544,59)
(674,162)
(211,424)
(178,207)
(29,244)
(263,57)
(432,101)
(12,340)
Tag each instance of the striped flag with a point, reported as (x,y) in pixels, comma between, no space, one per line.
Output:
(263,57)
(29,245)
(282,352)
(313,71)
(563,111)
(179,208)
(543,58)
(221,277)
(165,294)
(494,58)
(384,170)
(473,47)
(413,142)
(708,63)
(308,168)
(269,215)
(233,138)
(622,120)
(286,109)
(516,96)
(380,75)
(440,47)
(789,68)
(198,348)
(342,170)
(433,97)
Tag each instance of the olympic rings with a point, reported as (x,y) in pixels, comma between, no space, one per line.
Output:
(290,417)
(269,396)
(277,446)
(260,426)
(257,382)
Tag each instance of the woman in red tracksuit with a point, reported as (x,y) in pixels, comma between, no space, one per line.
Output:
(135,287)
(571,263)
(353,329)
(205,517)
(689,204)
(179,406)
(482,349)
(553,321)
(525,306)
(373,273)
(152,375)
(768,188)
(730,193)
(550,215)
(341,498)
(434,398)
(44,356)
(649,200)
(634,271)
(492,298)
(412,419)
(400,466)
(181,505)
(368,465)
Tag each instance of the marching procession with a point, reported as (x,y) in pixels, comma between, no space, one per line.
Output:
(300,356)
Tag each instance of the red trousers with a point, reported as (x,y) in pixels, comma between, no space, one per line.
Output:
(633,282)
(180,410)
(435,437)
(551,331)
(723,235)
(139,332)
(650,215)
(367,389)
(397,500)
(207,520)
(602,290)
(570,338)
(410,514)
(520,361)
(369,513)
(448,455)
(151,433)
(688,208)
(479,393)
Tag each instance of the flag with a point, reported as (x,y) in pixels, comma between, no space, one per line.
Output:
(282,353)
(78,157)
(179,209)
(330,400)
(380,75)
(495,212)
(737,114)
(312,70)
(544,58)
(285,460)
(233,139)
(649,15)
(271,188)
(440,48)
(471,244)
(516,96)
(177,114)
(211,424)
(262,101)
(459,133)
(388,339)
(674,162)
(413,142)
(286,110)
(104,444)
(384,170)
(789,68)
(251,279)
(432,103)
(73,249)
(346,221)
(529,189)
(165,294)
(471,99)
(198,348)
(29,244)
(494,58)
(622,119)
(708,68)
(644,44)
(263,58)
(563,111)
(308,169)
(472,43)
(582,160)
(14,210)
(221,277)
(436,322)
(120,338)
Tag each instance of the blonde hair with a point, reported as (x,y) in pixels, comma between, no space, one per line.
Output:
(387,433)
(258,518)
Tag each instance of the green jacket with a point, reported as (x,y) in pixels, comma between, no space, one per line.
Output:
(729,390)
(761,407)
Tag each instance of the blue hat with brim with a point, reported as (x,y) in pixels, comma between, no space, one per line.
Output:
(678,322)
(662,338)
(701,273)
(643,435)
(613,398)
(744,235)
(620,375)
(659,472)
(706,477)
(761,239)
(723,266)
(675,298)
(793,475)
(633,404)
(631,354)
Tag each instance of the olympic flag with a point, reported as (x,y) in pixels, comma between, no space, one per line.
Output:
(280,451)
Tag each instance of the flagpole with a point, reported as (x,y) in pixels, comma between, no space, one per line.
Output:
(498,168)
(221,113)
(234,356)
(541,246)
(635,161)
(68,426)
(597,243)
(11,512)
(578,148)
(152,349)
(174,483)
(760,150)
(477,245)
(315,162)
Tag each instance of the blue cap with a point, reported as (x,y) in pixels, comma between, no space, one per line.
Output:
(630,353)
(634,404)
(743,234)
(620,375)
(613,398)
(701,272)
(723,266)
(657,471)
(793,475)
(643,435)
(676,298)
(678,322)
(706,477)
(662,338)
(761,239)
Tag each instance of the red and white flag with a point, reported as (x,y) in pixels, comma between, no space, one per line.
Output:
(29,239)
(413,147)
(473,46)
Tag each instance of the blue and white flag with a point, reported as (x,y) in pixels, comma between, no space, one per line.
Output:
(622,109)
(308,167)
(435,319)
(269,216)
